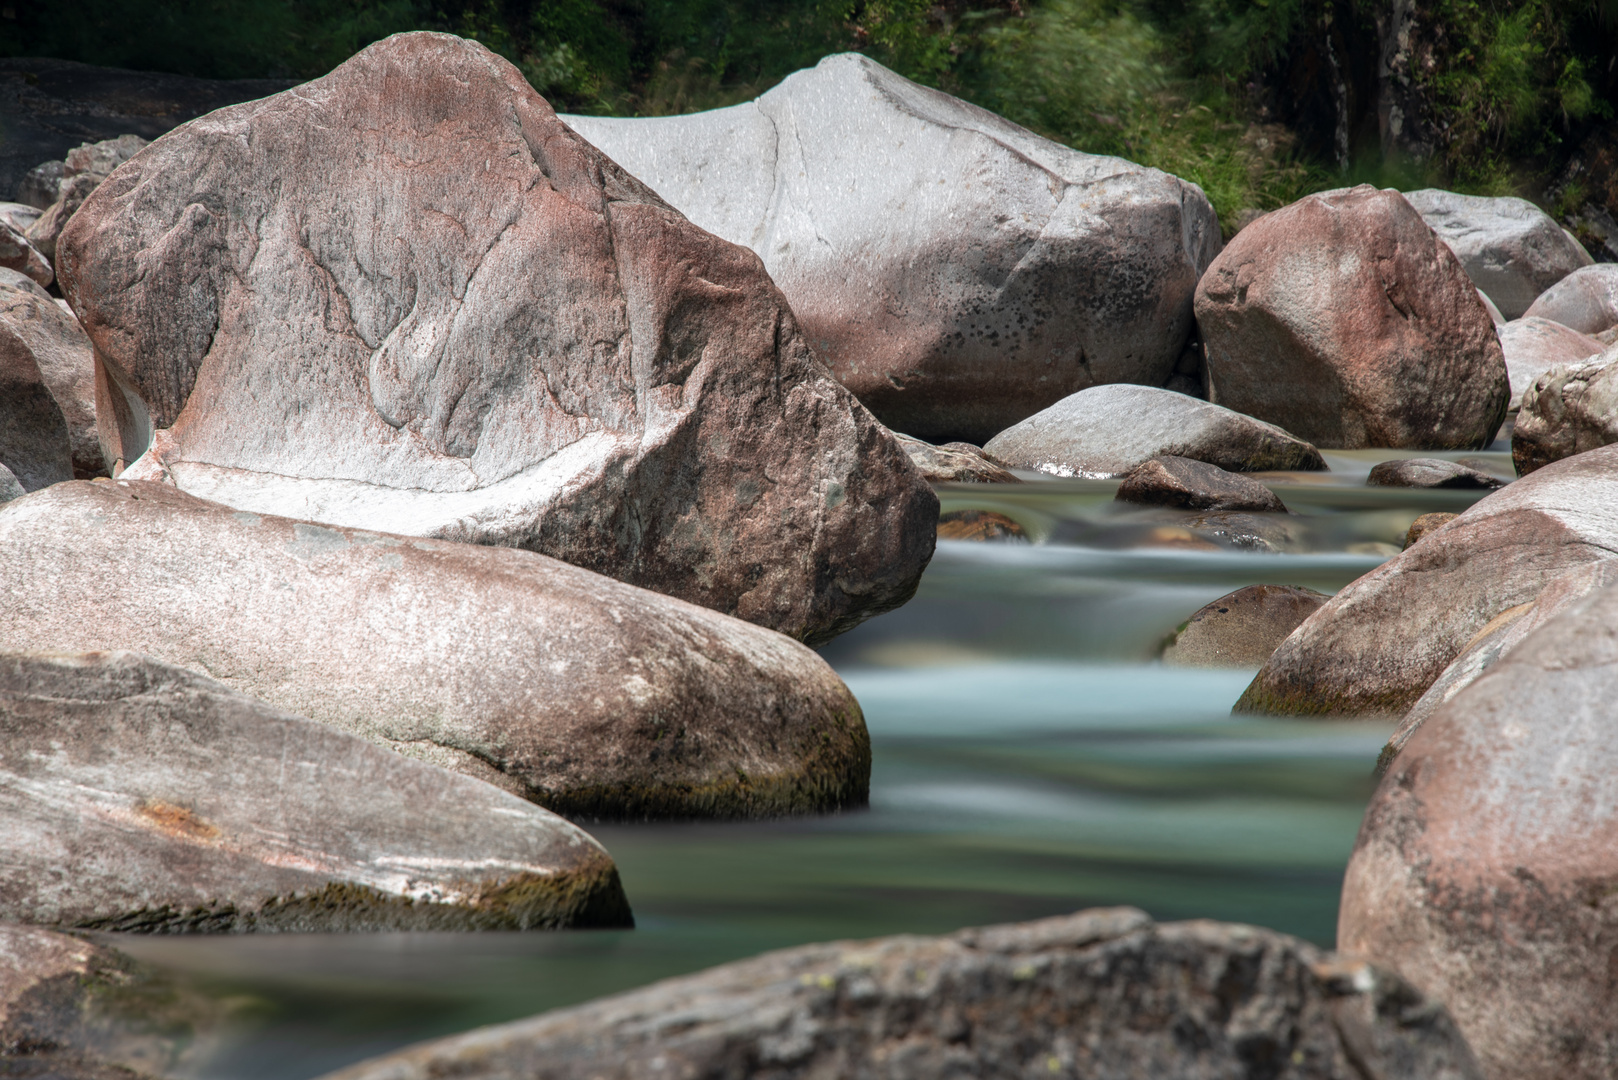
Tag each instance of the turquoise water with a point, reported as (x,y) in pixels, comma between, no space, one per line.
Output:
(1029,758)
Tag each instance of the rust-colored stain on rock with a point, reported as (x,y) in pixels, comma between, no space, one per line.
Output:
(177,821)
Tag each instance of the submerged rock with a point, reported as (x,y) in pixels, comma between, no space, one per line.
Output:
(1510,248)
(1430,473)
(141,797)
(1534,345)
(1108,430)
(1103,993)
(1377,646)
(1195,485)
(575,691)
(953,463)
(1241,629)
(1586,300)
(346,304)
(1343,319)
(1569,409)
(1483,870)
(979,525)
(30,321)
(956,271)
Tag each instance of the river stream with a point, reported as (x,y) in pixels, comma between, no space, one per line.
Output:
(1030,758)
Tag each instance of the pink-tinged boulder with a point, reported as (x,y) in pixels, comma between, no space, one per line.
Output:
(138,796)
(406,296)
(1567,410)
(580,693)
(33,322)
(1533,346)
(1484,870)
(16,253)
(1586,300)
(1103,994)
(35,444)
(1343,319)
(1376,646)
(86,166)
(956,271)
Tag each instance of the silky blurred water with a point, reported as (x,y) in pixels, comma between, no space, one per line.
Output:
(1029,758)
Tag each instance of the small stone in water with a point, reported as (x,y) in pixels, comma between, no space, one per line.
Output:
(1430,473)
(1195,485)
(979,525)
(1242,629)
(1426,524)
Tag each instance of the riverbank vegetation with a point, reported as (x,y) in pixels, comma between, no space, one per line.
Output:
(1259,101)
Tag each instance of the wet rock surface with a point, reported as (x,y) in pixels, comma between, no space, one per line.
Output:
(1586,300)
(1242,629)
(1510,248)
(1109,430)
(572,690)
(954,463)
(957,272)
(1483,867)
(139,796)
(1534,345)
(516,343)
(1103,993)
(1344,320)
(1377,646)
(1425,524)
(979,525)
(1430,473)
(1569,409)
(32,323)
(1195,485)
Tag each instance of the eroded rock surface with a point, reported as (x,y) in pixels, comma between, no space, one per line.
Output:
(1241,629)
(31,322)
(139,796)
(35,444)
(1510,248)
(353,304)
(572,690)
(1108,430)
(1533,346)
(16,253)
(1102,993)
(1586,300)
(1195,485)
(954,463)
(1344,320)
(1430,473)
(83,171)
(1484,865)
(1569,409)
(1378,645)
(956,271)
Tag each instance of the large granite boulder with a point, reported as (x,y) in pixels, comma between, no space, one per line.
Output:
(1510,248)
(35,443)
(1109,430)
(359,304)
(142,797)
(1241,629)
(956,271)
(1533,346)
(1569,409)
(577,692)
(1377,646)
(83,171)
(1343,319)
(1484,868)
(1103,993)
(1586,300)
(33,323)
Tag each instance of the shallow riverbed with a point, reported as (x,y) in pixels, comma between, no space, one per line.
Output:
(1030,758)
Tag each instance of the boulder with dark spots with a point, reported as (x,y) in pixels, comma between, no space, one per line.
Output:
(1510,248)
(71,1009)
(1102,993)
(1425,524)
(31,322)
(1195,485)
(1241,629)
(1107,431)
(16,253)
(1533,346)
(954,463)
(1586,300)
(572,690)
(1345,320)
(1484,868)
(141,797)
(956,271)
(1377,645)
(1430,473)
(1569,409)
(354,304)
(979,525)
